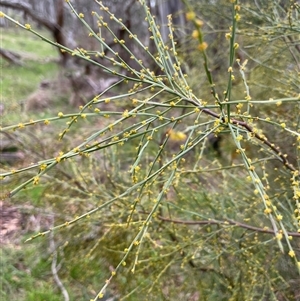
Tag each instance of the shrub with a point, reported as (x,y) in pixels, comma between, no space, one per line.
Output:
(169,193)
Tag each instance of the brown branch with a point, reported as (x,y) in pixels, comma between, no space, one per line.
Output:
(10,56)
(290,45)
(294,43)
(225,222)
(272,146)
(246,126)
(76,182)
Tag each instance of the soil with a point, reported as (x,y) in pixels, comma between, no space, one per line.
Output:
(10,223)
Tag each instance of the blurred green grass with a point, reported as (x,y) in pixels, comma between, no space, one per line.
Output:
(23,275)
(39,62)
(24,42)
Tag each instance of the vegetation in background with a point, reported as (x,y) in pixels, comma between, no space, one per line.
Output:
(171,189)
(38,63)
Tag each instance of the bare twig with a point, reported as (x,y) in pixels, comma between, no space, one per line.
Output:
(249,129)
(225,222)
(54,268)
(11,56)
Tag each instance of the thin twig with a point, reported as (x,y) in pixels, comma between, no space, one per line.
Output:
(225,222)
(249,129)
(54,268)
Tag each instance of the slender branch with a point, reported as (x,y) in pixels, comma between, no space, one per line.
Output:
(225,222)
(11,56)
(54,268)
(294,43)
(249,129)
(272,146)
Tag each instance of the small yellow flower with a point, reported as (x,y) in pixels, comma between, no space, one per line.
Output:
(125,114)
(81,15)
(199,22)
(36,180)
(190,16)
(2,14)
(176,136)
(195,34)
(202,46)
(27,26)
(43,166)
(228,36)
(267,210)
(239,137)
(60,114)
(237,17)
(292,253)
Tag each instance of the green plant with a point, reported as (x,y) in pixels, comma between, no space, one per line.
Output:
(163,209)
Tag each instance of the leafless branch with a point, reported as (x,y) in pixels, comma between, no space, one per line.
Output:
(225,222)
(10,56)
(249,129)
(54,268)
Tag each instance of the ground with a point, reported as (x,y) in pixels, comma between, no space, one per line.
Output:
(10,222)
